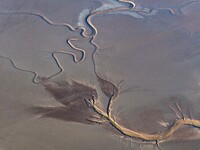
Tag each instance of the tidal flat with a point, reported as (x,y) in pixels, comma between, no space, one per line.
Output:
(99,74)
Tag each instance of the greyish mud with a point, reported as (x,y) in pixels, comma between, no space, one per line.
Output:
(129,65)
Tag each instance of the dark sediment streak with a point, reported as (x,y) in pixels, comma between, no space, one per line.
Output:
(72,96)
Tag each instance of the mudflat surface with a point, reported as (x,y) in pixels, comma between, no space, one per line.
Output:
(137,60)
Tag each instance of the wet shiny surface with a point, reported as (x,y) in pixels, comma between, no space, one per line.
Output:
(54,56)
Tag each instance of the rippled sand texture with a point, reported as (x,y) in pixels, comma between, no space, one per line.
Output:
(104,74)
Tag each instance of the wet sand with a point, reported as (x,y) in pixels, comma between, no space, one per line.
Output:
(78,74)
